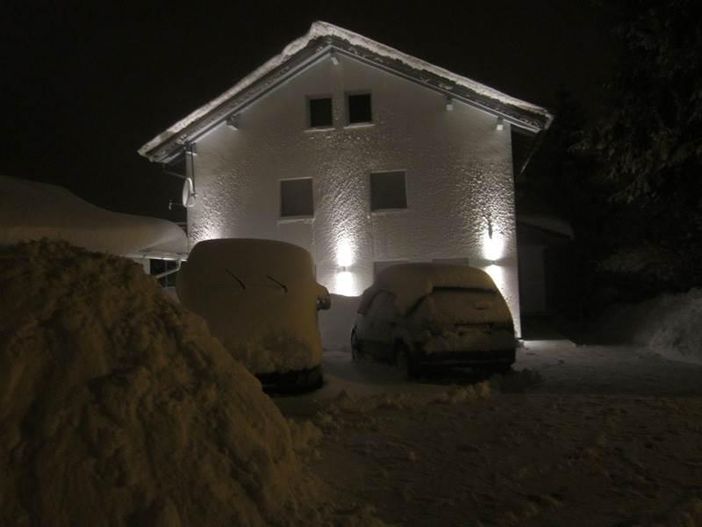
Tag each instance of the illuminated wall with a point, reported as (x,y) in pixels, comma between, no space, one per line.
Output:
(458,169)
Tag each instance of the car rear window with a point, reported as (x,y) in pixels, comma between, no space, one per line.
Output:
(452,306)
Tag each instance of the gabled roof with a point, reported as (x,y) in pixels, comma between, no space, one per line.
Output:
(322,40)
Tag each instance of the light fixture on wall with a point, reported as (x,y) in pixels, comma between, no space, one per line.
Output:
(449,104)
(344,255)
(500,124)
(188,195)
(233,121)
(493,243)
(334,58)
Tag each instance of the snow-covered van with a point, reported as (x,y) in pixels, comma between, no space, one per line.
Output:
(260,298)
(418,314)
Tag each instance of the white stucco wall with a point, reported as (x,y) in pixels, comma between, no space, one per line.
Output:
(458,174)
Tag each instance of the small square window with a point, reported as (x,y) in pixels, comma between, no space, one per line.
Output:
(296,197)
(320,111)
(388,191)
(359,108)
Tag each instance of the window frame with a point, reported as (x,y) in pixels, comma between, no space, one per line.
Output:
(347,100)
(308,108)
(283,217)
(370,192)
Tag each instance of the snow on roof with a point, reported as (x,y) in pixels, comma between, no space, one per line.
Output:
(413,281)
(547,223)
(56,213)
(322,37)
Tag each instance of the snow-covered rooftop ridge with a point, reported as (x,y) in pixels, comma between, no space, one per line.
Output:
(320,30)
(60,214)
(323,29)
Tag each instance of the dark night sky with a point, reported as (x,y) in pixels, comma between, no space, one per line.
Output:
(84,84)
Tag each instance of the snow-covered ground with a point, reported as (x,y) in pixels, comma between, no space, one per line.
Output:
(577,435)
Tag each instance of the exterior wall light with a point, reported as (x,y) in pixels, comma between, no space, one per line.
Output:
(334,58)
(500,124)
(449,104)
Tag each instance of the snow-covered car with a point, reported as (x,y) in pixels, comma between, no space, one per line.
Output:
(434,314)
(260,298)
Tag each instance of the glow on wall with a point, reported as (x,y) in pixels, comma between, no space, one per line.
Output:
(346,282)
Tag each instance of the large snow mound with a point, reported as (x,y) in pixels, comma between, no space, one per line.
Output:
(410,282)
(259,298)
(668,325)
(56,213)
(117,407)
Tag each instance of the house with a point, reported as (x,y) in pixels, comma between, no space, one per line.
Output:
(360,153)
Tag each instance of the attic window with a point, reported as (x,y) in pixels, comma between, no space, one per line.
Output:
(359,108)
(296,198)
(388,191)
(320,112)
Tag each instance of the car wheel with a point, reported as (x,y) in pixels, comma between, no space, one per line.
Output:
(405,362)
(356,352)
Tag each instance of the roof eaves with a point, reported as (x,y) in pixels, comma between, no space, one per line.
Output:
(321,38)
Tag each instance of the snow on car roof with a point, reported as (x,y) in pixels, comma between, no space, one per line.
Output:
(412,281)
(251,256)
(259,298)
(57,213)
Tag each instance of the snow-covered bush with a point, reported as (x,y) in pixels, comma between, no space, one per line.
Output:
(668,325)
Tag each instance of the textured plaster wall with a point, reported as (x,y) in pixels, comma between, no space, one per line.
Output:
(458,172)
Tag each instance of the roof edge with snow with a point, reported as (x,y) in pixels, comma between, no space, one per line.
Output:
(321,40)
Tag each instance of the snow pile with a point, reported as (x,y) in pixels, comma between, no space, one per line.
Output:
(56,213)
(349,410)
(648,262)
(117,406)
(259,297)
(411,282)
(668,325)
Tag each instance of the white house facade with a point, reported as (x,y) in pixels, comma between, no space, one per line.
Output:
(362,155)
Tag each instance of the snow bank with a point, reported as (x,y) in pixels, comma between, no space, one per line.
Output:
(668,325)
(410,282)
(117,406)
(259,298)
(56,213)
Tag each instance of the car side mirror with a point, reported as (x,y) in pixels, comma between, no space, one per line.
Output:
(323,300)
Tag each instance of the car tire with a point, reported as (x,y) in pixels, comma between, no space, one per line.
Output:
(405,362)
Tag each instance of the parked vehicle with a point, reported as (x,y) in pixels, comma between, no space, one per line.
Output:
(434,314)
(260,298)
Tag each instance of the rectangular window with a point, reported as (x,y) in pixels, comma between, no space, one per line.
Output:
(296,197)
(320,112)
(388,191)
(359,108)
